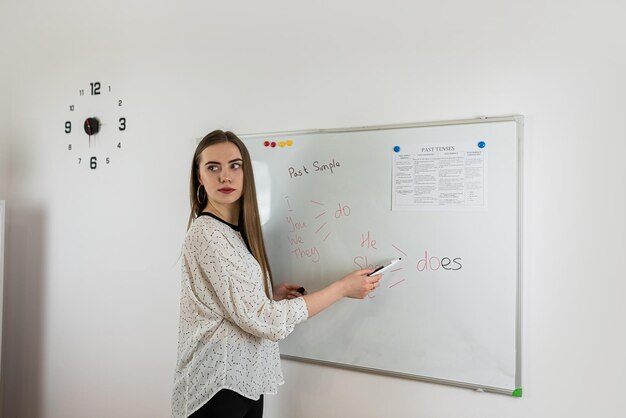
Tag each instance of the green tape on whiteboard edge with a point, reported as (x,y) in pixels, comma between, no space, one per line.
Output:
(517,393)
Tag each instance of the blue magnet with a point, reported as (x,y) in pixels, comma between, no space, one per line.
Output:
(482,144)
(396,148)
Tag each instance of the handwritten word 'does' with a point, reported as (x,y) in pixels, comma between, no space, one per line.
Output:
(435,263)
(311,253)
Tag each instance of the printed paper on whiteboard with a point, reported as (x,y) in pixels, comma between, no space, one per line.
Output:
(440,177)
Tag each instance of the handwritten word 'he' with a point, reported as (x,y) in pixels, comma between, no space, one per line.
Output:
(367,241)
(317,168)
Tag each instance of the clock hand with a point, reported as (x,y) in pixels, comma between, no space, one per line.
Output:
(88,131)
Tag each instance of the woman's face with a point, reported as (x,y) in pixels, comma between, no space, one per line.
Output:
(221,173)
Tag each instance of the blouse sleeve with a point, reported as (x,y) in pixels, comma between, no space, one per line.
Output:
(241,294)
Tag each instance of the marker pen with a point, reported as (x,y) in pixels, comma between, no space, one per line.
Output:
(385,267)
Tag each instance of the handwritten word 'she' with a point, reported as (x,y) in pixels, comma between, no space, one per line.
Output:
(362,263)
(317,168)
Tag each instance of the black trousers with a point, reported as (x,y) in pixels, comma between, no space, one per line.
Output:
(229,404)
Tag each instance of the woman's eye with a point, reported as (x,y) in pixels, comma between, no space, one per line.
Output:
(213,168)
(236,165)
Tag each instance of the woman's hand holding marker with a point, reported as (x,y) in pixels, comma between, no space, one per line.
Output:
(288,291)
(358,285)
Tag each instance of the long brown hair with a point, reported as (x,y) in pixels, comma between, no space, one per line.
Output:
(249,219)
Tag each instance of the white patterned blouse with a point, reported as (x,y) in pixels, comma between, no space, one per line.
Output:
(229,329)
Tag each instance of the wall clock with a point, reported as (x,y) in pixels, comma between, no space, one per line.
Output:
(95,126)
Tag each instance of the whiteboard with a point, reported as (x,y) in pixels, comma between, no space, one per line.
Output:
(443,196)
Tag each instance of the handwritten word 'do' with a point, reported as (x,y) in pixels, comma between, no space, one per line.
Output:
(318,167)
(435,263)
(311,253)
(343,210)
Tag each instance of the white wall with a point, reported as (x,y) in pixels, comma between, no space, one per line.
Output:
(91,292)
(5,61)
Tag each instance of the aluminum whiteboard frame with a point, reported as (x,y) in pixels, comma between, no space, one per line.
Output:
(3,209)
(519,121)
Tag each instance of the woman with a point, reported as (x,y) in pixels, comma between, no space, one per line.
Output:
(232,316)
